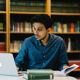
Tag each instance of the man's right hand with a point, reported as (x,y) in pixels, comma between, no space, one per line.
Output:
(17,69)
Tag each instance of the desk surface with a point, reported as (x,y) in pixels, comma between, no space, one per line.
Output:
(21,78)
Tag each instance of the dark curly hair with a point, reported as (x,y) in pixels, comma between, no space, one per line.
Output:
(42,18)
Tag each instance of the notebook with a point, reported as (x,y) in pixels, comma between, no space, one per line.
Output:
(7,65)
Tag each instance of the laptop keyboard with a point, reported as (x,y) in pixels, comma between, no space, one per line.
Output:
(21,73)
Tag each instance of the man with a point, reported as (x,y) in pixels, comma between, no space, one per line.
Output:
(42,50)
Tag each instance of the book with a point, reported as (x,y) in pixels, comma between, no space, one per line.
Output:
(39,74)
(69,44)
(39,71)
(27,27)
(59,27)
(55,27)
(65,28)
(65,72)
(77,26)
(69,69)
(27,3)
(2,46)
(1,26)
(15,45)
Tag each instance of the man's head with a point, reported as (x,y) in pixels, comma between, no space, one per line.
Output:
(41,25)
(43,19)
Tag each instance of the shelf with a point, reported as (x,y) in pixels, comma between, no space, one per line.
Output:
(21,32)
(1,32)
(2,12)
(13,52)
(66,33)
(14,12)
(76,70)
(67,14)
(50,32)
(3,51)
(73,51)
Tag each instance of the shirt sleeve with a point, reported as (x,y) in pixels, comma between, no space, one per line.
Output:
(22,57)
(63,58)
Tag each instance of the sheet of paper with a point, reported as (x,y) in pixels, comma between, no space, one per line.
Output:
(71,68)
(64,72)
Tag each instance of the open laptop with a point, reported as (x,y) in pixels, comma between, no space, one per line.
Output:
(7,65)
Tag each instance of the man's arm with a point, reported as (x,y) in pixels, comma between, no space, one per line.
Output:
(20,58)
(63,58)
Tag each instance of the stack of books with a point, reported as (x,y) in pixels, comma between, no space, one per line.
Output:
(66,27)
(2,46)
(65,7)
(21,27)
(2,5)
(39,74)
(15,45)
(27,6)
(1,26)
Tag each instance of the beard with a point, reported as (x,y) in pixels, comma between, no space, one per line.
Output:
(38,36)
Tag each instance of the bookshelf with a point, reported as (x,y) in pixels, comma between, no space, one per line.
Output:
(9,15)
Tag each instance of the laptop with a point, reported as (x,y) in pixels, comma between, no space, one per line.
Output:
(7,65)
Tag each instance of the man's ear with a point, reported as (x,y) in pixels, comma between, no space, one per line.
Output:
(49,29)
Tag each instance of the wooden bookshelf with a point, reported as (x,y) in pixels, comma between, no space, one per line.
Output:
(21,32)
(2,12)
(14,12)
(66,14)
(10,16)
(73,51)
(77,70)
(63,33)
(3,32)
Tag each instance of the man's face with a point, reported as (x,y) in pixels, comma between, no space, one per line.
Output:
(39,31)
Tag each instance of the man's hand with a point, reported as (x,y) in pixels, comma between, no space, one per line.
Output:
(17,68)
(64,67)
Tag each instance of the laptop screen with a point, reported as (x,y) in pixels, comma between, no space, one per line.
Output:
(7,65)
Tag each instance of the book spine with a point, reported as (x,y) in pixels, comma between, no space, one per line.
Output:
(2,46)
(40,76)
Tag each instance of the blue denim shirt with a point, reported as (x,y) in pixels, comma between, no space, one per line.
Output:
(33,55)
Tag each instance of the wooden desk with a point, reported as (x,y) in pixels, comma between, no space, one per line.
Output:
(21,78)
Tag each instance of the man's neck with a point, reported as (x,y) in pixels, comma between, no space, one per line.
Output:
(45,41)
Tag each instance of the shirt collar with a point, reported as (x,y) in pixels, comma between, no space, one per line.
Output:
(49,41)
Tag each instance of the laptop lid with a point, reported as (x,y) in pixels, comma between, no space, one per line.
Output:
(7,65)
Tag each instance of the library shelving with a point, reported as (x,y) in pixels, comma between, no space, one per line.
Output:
(17,13)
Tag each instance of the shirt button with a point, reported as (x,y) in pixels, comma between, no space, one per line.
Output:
(44,56)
